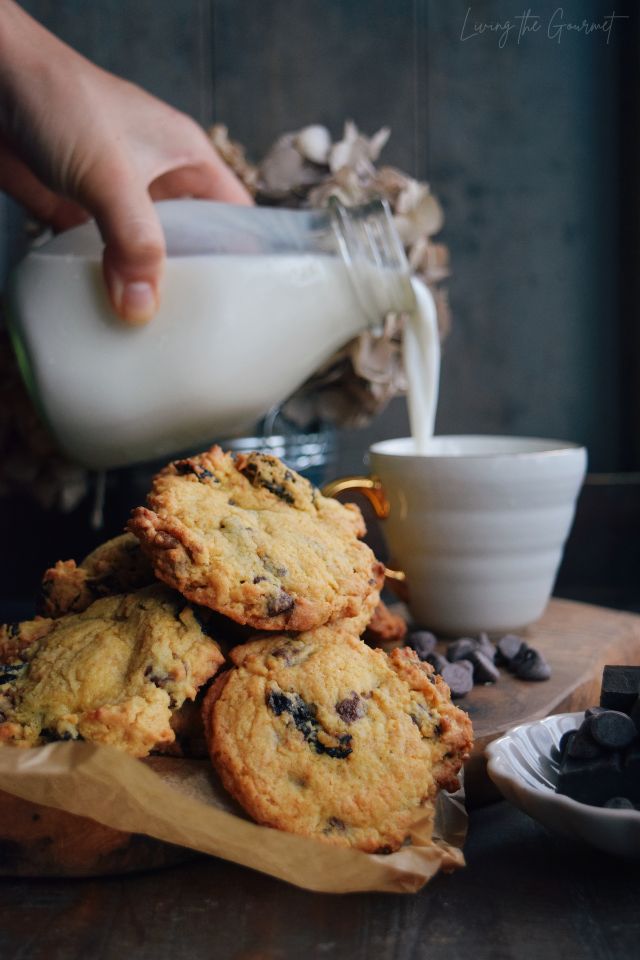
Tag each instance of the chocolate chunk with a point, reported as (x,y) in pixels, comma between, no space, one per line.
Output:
(620,688)
(335,823)
(281,602)
(11,671)
(423,642)
(508,648)
(459,677)
(593,712)
(564,742)
(583,747)
(484,669)
(612,729)
(619,803)
(351,708)
(528,664)
(185,467)
(304,717)
(590,781)
(485,646)
(276,569)
(460,649)
(437,661)
(256,479)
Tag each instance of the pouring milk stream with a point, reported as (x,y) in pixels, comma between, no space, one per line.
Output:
(254,301)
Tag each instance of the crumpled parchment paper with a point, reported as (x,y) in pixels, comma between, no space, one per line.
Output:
(181,802)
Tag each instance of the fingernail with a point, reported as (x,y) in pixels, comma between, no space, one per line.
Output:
(135,301)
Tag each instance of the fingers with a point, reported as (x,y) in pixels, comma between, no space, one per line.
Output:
(19,182)
(206,182)
(134,243)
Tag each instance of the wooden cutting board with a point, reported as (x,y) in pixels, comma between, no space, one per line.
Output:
(577,640)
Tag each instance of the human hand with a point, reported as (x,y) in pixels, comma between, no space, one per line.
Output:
(75,139)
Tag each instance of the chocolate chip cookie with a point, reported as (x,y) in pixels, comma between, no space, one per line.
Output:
(255,541)
(113,674)
(117,566)
(320,735)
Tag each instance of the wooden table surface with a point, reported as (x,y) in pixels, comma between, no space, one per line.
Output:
(524,894)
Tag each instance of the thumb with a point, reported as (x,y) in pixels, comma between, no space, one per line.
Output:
(133,258)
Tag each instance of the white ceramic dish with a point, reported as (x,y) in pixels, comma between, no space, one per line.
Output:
(523,765)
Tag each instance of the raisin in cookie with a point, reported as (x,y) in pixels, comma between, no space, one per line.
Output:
(255,541)
(117,566)
(112,674)
(320,735)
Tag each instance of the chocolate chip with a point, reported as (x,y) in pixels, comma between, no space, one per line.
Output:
(593,712)
(564,742)
(52,736)
(612,729)
(351,708)
(335,823)
(275,569)
(185,467)
(530,665)
(583,747)
(484,669)
(590,781)
(459,677)
(278,703)
(423,642)
(281,602)
(13,630)
(485,646)
(253,475)
(11,671)
(304,717)
(437,661)
(460,649)
(259,579)
(159,680)
(508,648)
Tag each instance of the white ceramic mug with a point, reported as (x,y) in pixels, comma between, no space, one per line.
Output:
(477,524)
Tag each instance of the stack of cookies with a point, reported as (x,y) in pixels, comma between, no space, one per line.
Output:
(231,615)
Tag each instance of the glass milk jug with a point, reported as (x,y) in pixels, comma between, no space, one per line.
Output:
(254,300)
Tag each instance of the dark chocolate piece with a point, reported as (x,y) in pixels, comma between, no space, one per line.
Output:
(620,688)
(437,661)
(583,746)
(484,669)
(593,712)
(528,664)
(591,781)
(508,648)
(460,649)
(304,717)
(485,646)
(281,602)
(564,742)
(423,642)
(351,708)
(459,677)
(612,729)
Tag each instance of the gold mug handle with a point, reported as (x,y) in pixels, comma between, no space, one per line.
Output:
(370,487)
